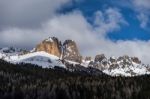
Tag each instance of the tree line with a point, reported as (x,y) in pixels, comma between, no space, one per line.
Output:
(26,81)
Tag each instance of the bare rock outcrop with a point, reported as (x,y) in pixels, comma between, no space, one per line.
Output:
(68,51)
(99,58)
(71,52)
(136,60)
(88,58)
(51,45)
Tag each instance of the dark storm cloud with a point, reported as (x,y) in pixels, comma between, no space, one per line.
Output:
(27,13)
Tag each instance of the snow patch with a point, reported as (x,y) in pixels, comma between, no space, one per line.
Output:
(49,39)
(38,58)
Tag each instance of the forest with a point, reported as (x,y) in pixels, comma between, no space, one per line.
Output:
(26,81)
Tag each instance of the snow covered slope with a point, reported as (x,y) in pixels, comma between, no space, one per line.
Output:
(38,58)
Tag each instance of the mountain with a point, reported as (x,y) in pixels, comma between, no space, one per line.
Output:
(40,58)
(71,52)
(123,65)
(51,46)
(68,50)
(51,53)
(11,51)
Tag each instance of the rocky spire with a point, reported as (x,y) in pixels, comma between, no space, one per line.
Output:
(51,45)
(71,52)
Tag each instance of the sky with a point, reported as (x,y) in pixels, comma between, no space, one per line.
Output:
(112,27)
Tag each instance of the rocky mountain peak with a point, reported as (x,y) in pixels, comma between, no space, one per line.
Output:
(123,65)
(50,45)
(67,42)
(125,57)
(88,58)
(13,51)
(99,58)
(71,52)
(51,39)
(112,59)
(136,60)
(68,50)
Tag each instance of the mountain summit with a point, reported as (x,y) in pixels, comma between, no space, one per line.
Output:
(71,52)
(68,50)
(51,45)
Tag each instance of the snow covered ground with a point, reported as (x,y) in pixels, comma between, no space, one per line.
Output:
(38,58)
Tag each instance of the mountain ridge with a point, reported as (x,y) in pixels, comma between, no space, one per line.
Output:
(68,56)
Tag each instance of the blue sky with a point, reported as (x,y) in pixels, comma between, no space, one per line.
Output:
(131,31)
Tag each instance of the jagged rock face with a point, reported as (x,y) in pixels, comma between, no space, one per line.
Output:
(123,65)
(13,51)
(99,58)
(51,46)
(70,51)
(125,60)
(112,60)
(100,62)
(136,60)
(88,58)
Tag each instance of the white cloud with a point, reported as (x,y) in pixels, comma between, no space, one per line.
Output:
(109,20)
(143,4)
(28,13)
(90,40)
(143,19)
(143,9)
(140,7)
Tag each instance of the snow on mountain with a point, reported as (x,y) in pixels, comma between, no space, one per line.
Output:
(38,58)
(51,52)
(49,39)
(123,65)
(2,55)
(8,51)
